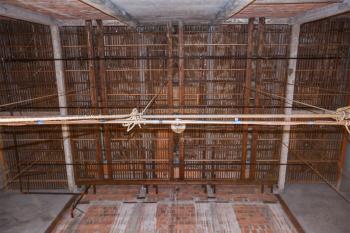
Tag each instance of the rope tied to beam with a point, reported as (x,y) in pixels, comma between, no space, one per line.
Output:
(134,119)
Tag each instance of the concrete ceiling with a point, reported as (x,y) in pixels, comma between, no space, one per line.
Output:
(133,12)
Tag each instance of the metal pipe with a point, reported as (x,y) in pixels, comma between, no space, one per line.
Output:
(11,119)
(185,122)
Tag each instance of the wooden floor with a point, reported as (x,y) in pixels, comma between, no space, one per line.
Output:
(182,209)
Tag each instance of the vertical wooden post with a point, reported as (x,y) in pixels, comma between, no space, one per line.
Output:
(182,157)
(257,97)
(292,65)
(246,97)
(170,63)
(103,95)
(62,102)
(181,95)
(344,72)
(3,167)
(181,66)
(93,94)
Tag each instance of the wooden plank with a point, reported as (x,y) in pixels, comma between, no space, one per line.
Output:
(231,8)
(321,13)
(103,95)
(110,8)
(246,97)
(257,96)
(26,15)
(93,93)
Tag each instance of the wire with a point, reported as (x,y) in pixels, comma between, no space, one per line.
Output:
(288,100)
(171,57)
(321,176)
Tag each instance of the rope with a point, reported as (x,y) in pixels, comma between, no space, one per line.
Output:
(290,101)
(134,119)
(321,176)
(42,97)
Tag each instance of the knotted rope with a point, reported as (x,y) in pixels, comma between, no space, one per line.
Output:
(134,119)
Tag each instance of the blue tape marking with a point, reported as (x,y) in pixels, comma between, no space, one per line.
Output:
(237,122)
(40,122)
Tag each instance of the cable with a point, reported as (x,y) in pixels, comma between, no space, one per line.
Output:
(288,100)
(321,176)
(8,60)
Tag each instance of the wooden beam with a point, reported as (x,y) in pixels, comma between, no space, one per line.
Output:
(182,157)
(292,65)
(321,13)
(103,94)
(110,8)
(62,102)
(181,66)
(170,74)
(344,72)
(170,63)
(294,1)
(181,96)
(93,93)
(231,8)
(26,15)
(3,166)
(257,96)
(246,97)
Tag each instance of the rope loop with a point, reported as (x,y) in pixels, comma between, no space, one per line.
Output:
(134,119)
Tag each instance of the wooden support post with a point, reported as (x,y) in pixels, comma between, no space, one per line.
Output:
(257,97)
(3,167)
(62,102)
(170,64)
(182,157)
(93,94)
(209,154)
(344,72)
(181,67)
(292,65)
(103,95)
(246,97)
(181,97)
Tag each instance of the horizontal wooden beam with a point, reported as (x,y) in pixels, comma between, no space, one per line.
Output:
(175,182)
(15,12)
(267,21)
(294,1)
(110,8)
(231,8)
(321,13)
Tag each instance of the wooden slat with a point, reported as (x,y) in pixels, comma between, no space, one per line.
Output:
(247,90)
(103,94)
(258,78)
